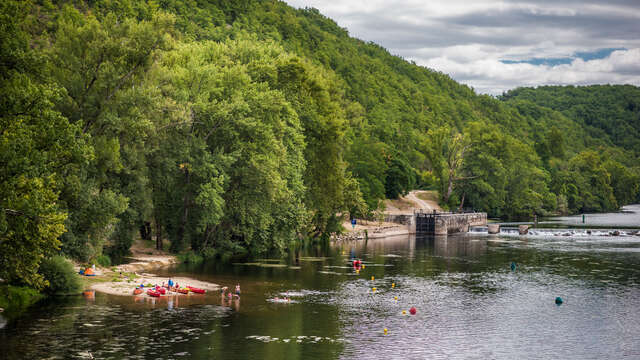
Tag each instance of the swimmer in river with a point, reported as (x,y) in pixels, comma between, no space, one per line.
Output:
(238,290)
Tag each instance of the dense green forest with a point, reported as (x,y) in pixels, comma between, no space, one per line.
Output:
(246,128)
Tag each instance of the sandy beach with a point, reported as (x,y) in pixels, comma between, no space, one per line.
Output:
(125,288)
(123,279)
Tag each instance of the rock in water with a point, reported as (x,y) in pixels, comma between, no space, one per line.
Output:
(493,228)
(523,229)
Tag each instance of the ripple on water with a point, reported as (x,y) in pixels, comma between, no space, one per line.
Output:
(298,339)
(100,331)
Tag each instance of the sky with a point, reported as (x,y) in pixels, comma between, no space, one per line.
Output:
(494,46)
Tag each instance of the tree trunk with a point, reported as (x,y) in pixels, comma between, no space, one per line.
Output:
(185,206)
(449,189)
(158,235)
(461,203)
(206,236)
(145,230)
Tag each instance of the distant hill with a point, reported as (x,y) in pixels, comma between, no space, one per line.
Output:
(610,113)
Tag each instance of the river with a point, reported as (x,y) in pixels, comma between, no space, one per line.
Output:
(469,303)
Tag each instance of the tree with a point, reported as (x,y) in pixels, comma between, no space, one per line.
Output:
(445,148)
(38,148)
(625,184)
(400,177)
(102,65)
(592,181)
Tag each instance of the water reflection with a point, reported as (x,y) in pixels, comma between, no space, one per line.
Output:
(470,304)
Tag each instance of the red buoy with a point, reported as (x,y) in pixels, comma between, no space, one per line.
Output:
(412,310)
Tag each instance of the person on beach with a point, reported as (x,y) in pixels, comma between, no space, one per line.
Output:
(238,290)
(170,283)
(236,304)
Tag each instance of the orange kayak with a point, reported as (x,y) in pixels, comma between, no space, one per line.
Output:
(137,291)
(183,291)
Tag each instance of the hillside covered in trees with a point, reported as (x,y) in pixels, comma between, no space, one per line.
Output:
(243,128)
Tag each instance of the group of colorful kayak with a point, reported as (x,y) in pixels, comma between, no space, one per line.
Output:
(157,291)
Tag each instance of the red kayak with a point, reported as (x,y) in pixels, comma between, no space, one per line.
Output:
(162,291)
(153,293)
(196,290)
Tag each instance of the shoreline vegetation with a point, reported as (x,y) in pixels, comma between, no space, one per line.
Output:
(248,129)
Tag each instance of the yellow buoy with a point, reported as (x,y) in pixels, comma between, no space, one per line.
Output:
(404,312)
(372,278)
(395,298)
(385,331)
(363,266)
(374,289)
(357,271)
(393,285)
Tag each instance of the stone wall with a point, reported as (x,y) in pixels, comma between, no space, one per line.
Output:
(444,223)
(404,219)
(454,223)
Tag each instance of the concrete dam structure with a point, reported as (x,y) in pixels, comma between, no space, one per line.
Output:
(421,223)
(443,224)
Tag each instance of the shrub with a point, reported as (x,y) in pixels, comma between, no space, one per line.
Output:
(190,258)
(61,276)
(103,260)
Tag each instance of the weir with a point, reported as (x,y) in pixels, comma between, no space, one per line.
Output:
(447,223)
(422,223)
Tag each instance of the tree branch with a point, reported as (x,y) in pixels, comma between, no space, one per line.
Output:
(20,213)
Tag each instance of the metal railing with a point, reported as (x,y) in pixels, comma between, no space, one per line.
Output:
(421,212)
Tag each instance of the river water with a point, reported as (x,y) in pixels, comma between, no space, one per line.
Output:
(469,302)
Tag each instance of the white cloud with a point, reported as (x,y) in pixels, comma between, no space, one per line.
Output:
(491,76)
(468,39)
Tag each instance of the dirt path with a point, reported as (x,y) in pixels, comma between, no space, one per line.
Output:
(427,205)
(402,206)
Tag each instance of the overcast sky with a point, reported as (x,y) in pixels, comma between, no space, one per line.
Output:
(494,46)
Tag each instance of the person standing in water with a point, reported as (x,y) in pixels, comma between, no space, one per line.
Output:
(238,290)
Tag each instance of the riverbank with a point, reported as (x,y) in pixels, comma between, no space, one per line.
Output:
(125,288)
(370,230)
(123,279)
